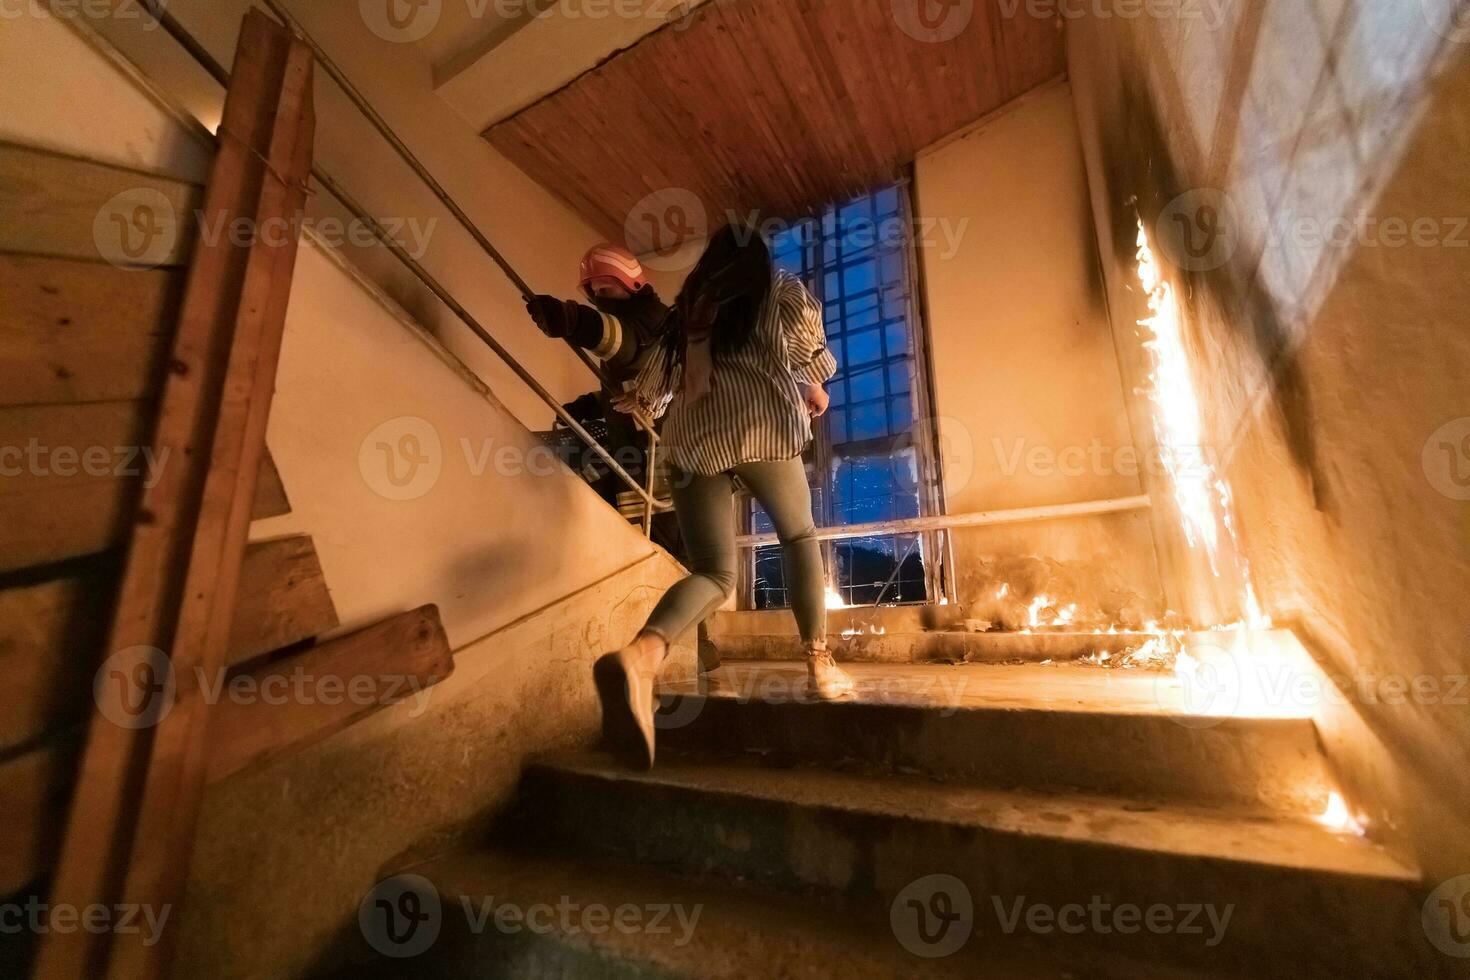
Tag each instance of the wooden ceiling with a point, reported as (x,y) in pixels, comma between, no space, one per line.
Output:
(780,106)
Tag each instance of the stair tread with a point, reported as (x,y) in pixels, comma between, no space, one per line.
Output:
(1011,687)
(739,932)
(1271,840)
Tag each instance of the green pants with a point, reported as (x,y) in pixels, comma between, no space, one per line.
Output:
(706,511)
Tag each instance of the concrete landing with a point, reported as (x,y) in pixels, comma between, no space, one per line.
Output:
(675,927)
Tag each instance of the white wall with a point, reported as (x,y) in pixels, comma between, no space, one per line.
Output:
(1027,387)
(540,236)
(1327,371)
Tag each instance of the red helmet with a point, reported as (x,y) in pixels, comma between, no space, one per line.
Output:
(608,261)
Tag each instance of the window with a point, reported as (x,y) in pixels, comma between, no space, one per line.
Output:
(856,259)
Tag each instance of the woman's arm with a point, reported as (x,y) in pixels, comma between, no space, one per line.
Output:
(803,333)
(653,389)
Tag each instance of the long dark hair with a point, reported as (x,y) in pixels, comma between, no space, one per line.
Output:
(733,281)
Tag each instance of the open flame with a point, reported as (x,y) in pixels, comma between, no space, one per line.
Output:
(1337,817)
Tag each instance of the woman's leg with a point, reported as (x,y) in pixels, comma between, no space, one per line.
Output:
(782,490)
(705,508)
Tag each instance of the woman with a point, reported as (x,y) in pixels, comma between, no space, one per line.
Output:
(740,373)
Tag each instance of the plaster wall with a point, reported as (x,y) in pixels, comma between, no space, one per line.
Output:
(1027,389)
(1299,143)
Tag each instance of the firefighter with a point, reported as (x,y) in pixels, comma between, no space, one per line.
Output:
(621,329)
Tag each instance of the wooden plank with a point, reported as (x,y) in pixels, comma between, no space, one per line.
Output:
(332,686)
(178,760)
(270,491)
(57,446)
(52,632)
(57,205)
(74,331)
(51,524)
(51,638)
(33,790)
(104,819)
(276,711)
(282,599)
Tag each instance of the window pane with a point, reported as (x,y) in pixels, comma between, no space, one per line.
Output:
(898,338)
(862,348)
(867,385)
(900,414)
(868,422)
(898,377)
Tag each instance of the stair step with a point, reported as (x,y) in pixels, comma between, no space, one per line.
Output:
(693,929)
(1313,900)
(1097,731)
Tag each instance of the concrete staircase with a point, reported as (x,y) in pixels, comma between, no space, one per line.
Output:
(1023,821)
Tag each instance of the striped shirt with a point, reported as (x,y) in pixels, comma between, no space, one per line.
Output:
(754,411)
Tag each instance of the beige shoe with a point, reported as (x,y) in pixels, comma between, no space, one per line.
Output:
(626,693)
(824,679)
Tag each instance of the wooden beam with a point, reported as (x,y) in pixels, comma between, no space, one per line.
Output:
(182,548)
(74,331)
(290,705)
(178,762)
(282,599)
(59,205)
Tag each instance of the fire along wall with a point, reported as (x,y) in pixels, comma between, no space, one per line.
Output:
(285,853)
(1301,167)
(1026,380)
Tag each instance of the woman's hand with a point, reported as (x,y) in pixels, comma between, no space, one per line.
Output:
(816,399)
(627,403)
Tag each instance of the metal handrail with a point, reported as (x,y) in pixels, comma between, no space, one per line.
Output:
(355,96)
(211,65)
